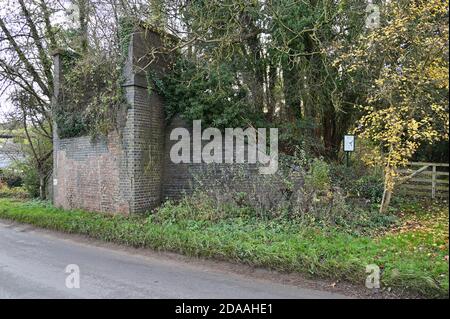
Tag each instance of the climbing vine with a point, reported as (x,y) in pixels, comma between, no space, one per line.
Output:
(197,91)
(92,92)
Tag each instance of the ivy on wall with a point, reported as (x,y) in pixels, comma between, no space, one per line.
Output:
(92,92)
(196,91)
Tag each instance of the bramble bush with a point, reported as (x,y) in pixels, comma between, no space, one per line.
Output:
(319,175)
(361,183)
(369,187)
(10,177)
(23,175)
(307,196)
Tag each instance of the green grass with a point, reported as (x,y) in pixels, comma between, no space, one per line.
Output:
(413,260)
(16,192)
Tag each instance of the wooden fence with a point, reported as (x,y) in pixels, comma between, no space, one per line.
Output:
(431,180)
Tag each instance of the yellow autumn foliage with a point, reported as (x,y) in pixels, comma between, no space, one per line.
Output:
(404,64)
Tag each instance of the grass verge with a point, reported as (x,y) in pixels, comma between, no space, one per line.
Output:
(412,259)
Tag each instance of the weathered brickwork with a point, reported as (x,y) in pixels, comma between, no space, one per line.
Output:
(130,170)
(121,173)
(183,178)
(89,175)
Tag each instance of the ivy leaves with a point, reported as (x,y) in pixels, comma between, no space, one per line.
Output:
(91,96)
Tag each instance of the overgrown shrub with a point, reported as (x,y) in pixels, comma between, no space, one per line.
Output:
(359,182)
(200,206)
(370,187)
(214,95)
(92,95)
(318,177)
(11,177)
(293,193)
(266,195)
(344,177)
(14,192)
(29,176)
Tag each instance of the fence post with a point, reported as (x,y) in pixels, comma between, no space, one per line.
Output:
(433,183)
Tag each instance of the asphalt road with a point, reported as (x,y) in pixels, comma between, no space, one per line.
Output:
(33,265)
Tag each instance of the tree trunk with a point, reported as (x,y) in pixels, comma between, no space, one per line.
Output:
(329,132)
(388,190)
(291,90)
(271,98)
(83,6)
(387,195)
(257,84)
(42,186)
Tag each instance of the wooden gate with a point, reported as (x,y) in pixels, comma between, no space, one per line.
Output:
(430,180)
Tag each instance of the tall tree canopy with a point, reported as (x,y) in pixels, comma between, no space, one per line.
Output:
(403,68)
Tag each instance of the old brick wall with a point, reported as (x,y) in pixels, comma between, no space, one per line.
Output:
(145,121)
(130,170)
(89,175)
(183,178)
(122,172)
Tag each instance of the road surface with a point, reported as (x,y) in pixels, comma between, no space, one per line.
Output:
(33,265)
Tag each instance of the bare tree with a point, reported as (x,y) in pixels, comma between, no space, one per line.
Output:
(26,41)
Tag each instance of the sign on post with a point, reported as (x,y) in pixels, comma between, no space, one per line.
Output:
(349,143)
(349,146)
